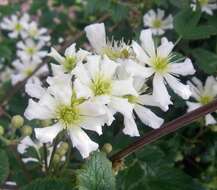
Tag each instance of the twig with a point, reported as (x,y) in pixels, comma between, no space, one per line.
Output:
(45,157)
(166,129)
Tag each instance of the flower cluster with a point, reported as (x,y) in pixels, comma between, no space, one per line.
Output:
(88,89)
(31,41)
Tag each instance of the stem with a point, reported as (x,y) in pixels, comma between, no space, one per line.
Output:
(45,157)
(166,129)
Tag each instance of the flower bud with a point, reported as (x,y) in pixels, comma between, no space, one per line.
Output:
(107,148)
(56,158)
(26,130)
(46,122)
(17,121)
(64,146)
(213,128)
(2,130)
(61,152)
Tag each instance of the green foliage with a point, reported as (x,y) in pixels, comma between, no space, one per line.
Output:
(4,166)
(96,174)
(49,184)
(153,171)
(187,25)
(206,60)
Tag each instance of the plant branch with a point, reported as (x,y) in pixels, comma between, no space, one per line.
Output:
(166,129)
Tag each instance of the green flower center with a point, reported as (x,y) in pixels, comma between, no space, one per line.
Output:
(18,27)
(28,71)
(68,115)
(205,99)
(70,63)
(31,50)
(160,64)
(116,54)
(157,23)
(132,99)
(33,32)
(203,2)
(101,86)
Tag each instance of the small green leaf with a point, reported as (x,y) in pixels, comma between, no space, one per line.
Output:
(97,174)
(4,166)
(206,60)
(49,184)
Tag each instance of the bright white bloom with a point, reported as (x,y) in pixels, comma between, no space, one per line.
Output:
(23,69)
(98,81)
(69,60)
(15,25)
(207,6)
(115,50)
(69,113)
(30,50)
(144,114)
(156,21)
(203,95)
(33,31)
(162,66)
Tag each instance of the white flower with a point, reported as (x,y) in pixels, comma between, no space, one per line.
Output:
(31,50)
(161,64)
(32,30)
(98,81)
(144,114)
(69,113)
(115,50)
(15,25)
(156,21)
(207,6)
(69,60)
(203,95)
(24,68)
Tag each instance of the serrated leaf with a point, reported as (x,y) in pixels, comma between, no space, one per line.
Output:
(152,171)
(187,25)
(206,60)
(97,174)
(4,166)
(49,184)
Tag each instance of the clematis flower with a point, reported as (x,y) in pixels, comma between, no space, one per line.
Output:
(32,31)
(15,25)
(156,21)
(202,95)
(69,60)
(24,68)
(98,80)
(207,6)
(31,50)
(115,50)
(69,113)
(159,62)
(145,115)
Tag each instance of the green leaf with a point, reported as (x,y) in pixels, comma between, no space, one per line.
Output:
(4,166)
(97,174)
(49,184)
(187,25)
(153,171)
(206,60)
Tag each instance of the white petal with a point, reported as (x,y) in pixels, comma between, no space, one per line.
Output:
(70,51)
(140,53)
(165,48)
(121,105)
(210,120)
(53,53)
(147,42)
(108,67)
(136,69)
(82,91)
(192,105)
(148,117)
(185,68)
(57,69)
(179,88)
(160,92)
(24,144)
(148,100)
(47,134)
(81,73)
(209,84)
(123,87)
(92,65)
(82,142)
(96,36)
(130,127)
(89,108)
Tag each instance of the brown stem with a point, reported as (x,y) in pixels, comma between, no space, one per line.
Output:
(166,129)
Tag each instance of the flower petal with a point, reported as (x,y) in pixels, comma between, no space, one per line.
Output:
(192,105)
(148,42)
(82,142)
(70,51)
(210,120)
(59,58)
(140,53)
(130,127)
(165,48)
